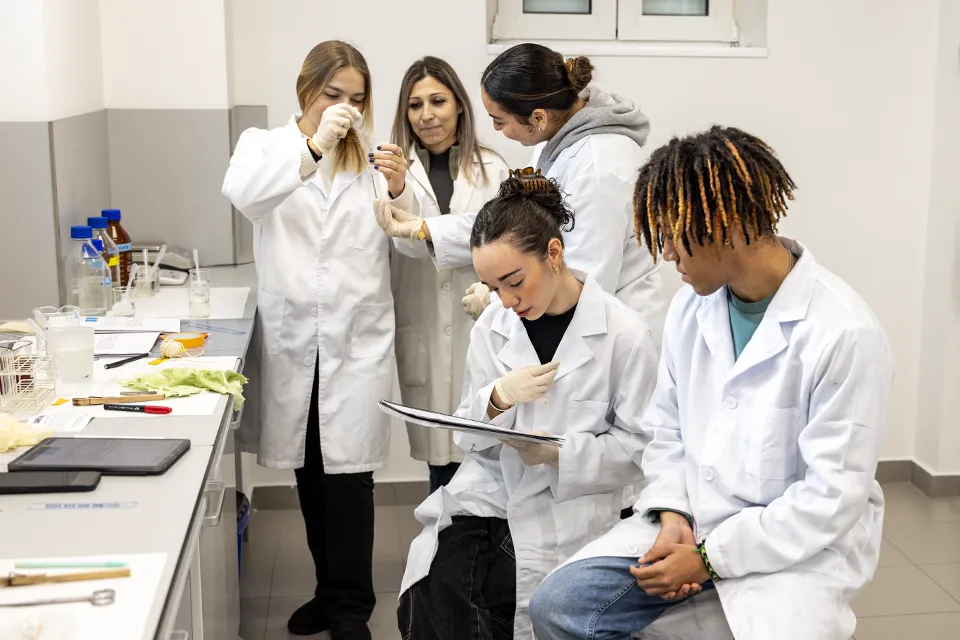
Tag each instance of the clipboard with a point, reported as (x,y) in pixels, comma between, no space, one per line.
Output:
(436,420)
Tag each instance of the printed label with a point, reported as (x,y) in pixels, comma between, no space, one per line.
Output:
(126,246)
(63,506)
(114,261)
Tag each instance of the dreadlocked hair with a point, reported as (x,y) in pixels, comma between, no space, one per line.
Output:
(709,187)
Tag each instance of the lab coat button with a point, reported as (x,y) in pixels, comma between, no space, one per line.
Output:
(730,403)
(544,403)
(515,513)
(448,331)
(446,286)
(313,312)
(633,549)
(707,474)
(307,362)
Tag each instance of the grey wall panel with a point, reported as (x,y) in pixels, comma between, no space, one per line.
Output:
(243,117)
(28,259)
(81,171)
(166,169)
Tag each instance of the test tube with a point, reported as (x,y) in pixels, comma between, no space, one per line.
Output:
(373,170)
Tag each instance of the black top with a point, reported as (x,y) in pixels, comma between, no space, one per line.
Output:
(441,180)
(546,332)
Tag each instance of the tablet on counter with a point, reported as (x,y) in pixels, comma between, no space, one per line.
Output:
(109,456)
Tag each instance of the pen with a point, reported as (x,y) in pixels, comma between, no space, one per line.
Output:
(139,408)
(120,363)
(67,564)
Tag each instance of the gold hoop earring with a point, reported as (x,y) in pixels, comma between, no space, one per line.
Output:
(556,269)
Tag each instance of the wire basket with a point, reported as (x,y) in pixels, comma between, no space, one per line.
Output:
(26,378)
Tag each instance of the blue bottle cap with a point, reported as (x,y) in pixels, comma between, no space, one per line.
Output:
(81,232)
(111,214)
(98,244)
(98,223)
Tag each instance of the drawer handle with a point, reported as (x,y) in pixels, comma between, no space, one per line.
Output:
(179,635)
(235,422)
(212,519)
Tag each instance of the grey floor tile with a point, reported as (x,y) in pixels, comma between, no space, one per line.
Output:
(253,618)
(410,494)
(890,556)
(260,551)
(925,543)
(409,529)
(387,555)
(947,576)
(383,623)
(941,626)
(293,572)
(897,591)
(905,503)
(280,611)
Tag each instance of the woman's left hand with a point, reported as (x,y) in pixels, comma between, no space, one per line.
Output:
(534,453)
(390,161)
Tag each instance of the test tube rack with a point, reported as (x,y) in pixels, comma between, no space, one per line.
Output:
(26,380)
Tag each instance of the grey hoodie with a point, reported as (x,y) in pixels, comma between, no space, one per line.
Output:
(603,113)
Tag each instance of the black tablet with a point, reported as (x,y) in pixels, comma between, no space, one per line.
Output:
(109,456)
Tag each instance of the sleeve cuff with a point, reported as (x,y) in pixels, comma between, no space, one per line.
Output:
(405,201)
(308,166)
(654,514)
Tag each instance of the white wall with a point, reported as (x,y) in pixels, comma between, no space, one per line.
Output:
(938,417)
(846,97)
(22,62)
(74,67)
(169,55)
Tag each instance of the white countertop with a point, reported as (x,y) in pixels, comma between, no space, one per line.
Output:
(165,505)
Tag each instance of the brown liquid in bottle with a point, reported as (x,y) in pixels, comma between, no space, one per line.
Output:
(124,244)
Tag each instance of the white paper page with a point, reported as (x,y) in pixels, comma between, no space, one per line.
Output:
(105,385)
(62,423)
(164,324)
(225,303)
(125,619)
(124,344)
(453,423)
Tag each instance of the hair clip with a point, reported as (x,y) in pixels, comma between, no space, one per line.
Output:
(532,179)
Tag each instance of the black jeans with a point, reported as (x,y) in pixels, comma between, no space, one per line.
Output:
(338,514)
(441,475)
(471,591)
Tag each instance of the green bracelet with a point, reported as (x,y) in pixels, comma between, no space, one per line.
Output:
(702,550)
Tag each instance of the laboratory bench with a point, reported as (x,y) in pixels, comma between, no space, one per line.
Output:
(188,513)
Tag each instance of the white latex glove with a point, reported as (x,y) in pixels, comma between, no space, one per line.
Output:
(334,125)
(14,433)
(534,453)
(397,223)
(476,300)
(526,384)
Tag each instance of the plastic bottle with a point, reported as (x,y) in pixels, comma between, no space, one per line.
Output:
(111,254)
(88,273)
(122,239)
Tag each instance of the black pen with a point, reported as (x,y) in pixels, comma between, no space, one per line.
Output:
(120,363)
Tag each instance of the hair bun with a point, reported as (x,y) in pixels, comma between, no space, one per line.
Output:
(530,185)
(579,72)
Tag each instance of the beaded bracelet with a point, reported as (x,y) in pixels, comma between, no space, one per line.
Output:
(702,550)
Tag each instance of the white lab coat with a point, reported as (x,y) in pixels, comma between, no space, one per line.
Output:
(773,454)
(598,174)
(432,330)
(323,268)
(607,371)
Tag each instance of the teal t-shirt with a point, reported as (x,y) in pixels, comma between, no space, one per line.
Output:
(745,317)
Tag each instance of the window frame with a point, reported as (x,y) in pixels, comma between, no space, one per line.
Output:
(718,26)
(511,23)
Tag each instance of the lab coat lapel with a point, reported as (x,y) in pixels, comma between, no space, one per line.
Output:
(589,319)
(341,181)
(713,318)
(518,350)
(463,190)
(418,173)
(788,305)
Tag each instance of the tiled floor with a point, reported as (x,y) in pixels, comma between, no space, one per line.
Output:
(915,595)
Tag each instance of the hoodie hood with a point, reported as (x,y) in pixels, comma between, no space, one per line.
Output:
(602,113)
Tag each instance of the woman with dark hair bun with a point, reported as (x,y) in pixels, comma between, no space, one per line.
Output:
(589,142)
(559,357)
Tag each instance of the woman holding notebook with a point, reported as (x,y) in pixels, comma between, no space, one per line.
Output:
(560,357)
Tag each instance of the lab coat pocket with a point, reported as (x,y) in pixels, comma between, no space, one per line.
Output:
(271,310)
(587,416)
(412,358)
(372,332)
(772,444)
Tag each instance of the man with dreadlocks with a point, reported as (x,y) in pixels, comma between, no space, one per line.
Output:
(764,427)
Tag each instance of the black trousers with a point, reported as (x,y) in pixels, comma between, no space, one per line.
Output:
(338,514)
(471,591)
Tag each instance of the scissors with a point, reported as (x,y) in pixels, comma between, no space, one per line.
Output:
(100,598)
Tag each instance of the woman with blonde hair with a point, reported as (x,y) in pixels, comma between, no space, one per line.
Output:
(326,323)
(451,173)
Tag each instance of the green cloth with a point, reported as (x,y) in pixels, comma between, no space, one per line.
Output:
(188,382)
(454,162)
(745,317)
